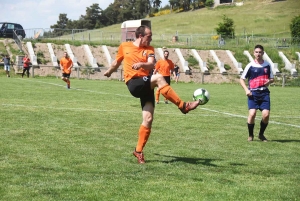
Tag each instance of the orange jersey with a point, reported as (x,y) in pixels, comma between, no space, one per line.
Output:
(66,63)
(164,67)
(131,55)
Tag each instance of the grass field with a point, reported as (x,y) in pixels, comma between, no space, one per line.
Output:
(258,17)
(59,144)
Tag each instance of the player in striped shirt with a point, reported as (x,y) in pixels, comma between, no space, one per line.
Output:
(259,75)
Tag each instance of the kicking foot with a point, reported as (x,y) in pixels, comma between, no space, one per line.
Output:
(188,106)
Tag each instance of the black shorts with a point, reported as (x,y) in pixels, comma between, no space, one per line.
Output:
(168,79)
(66,75)
(140,87)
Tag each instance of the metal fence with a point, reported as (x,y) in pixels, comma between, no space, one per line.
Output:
(169,40)
(89,73)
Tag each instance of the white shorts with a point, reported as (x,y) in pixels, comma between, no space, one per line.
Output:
(7,67)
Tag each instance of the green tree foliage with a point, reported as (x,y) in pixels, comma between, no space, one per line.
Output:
(175,4)
(62,22)
(226,28)
(209,3)
(295,29)
(93,17)
(120,11)
(60,27)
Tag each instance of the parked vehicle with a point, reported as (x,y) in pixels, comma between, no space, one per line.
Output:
(7,28)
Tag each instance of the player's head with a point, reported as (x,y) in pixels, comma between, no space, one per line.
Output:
(166,54)
(144,35)
(258,52)
(66,55)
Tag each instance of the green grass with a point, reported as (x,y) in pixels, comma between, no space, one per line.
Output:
(3,51)
(258,17)
(59,144)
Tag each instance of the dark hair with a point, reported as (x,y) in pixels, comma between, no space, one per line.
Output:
(259,46)
(141,30)
(166,51)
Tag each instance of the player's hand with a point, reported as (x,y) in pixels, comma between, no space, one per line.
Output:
(137,66)
(107,73)
(248,93)
(267,83)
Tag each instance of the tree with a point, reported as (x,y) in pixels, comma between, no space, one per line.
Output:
(92,17)
(226,29)
(61,25)
(209,3)
(174,4)
(295,29)
(62,22)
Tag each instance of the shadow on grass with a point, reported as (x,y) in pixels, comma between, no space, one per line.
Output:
(195,161)
(285,141)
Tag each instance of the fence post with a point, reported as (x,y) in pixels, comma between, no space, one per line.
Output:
(32,71)
(121,72)
(283,80)
(202,81)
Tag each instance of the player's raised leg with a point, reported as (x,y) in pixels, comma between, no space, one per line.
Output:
(167,91)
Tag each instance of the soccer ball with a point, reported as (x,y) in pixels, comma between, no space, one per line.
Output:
(202,95)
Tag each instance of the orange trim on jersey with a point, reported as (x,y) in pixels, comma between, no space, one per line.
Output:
(131,54)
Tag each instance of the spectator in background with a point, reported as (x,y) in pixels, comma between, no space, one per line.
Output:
(26,67)
(66,65)
(177,73)
(6,61)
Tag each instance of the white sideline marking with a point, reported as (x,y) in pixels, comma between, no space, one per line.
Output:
(86,90)
(215,111)
(235,115)
(94,110)
(123,111)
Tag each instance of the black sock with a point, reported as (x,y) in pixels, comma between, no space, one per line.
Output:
(250,129)
(263,127)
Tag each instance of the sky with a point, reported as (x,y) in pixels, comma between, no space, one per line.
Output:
(44,13)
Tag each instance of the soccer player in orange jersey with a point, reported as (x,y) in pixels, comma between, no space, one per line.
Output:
(139,61)
(164,67)
(66,65)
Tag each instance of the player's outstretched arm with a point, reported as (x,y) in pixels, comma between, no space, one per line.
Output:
(114,66)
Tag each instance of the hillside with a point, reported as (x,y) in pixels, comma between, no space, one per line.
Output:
(46,67)
(258,17)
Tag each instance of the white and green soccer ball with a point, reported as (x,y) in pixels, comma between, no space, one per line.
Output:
(202,95)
